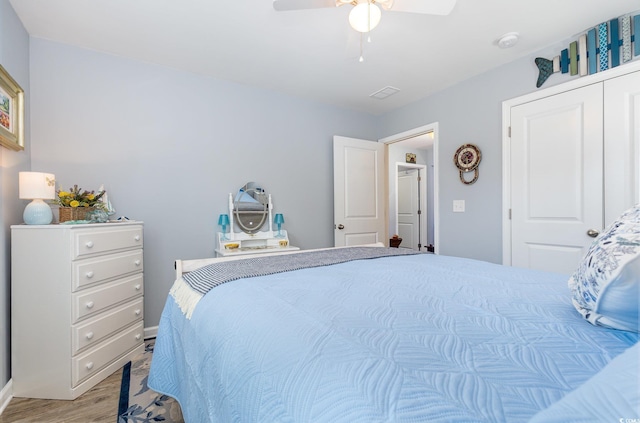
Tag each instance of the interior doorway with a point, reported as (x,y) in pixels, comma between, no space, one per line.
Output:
(411,206)
(422,145)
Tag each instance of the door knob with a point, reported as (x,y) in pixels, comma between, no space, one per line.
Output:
(593,233)
(341,226)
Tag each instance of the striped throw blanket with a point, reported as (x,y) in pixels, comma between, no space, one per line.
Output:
(191,287)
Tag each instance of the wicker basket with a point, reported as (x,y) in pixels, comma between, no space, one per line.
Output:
(74,213)
(395,242)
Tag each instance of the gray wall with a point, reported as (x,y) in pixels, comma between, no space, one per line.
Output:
(470,112)
(169,146)
(14,57)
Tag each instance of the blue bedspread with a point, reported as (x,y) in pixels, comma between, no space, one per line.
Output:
(398,339)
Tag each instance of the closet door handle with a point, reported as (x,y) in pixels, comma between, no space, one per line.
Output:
(341,226)
(593,233)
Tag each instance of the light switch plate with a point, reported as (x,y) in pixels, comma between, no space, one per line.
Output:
(458,206)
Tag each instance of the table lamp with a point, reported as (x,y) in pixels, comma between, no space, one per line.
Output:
(223,221)
(37,186)
(279,220)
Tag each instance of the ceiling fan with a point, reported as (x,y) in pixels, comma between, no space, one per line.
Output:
(366,14)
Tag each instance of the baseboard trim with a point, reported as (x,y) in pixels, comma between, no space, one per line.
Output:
(151,332)
(5,395)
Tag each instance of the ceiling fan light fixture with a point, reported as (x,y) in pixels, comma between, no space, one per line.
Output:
(364,17)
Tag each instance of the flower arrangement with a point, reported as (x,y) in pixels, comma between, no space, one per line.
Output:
(76,197)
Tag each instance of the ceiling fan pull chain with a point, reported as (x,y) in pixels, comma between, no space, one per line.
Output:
(361,54)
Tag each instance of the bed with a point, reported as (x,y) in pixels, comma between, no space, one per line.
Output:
(390,336)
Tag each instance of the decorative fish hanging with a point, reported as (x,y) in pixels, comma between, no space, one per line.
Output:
(593,52)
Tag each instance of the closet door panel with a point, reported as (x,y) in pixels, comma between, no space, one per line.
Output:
(621,144)
(556,178)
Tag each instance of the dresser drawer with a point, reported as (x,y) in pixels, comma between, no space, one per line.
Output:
(94,270)
(95,330)
(93,361)
(93,300)
(90,242)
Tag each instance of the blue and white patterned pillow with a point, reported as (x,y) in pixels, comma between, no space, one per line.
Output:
(606,285)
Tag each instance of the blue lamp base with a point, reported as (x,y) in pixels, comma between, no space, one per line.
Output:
(224,233)
(37,212)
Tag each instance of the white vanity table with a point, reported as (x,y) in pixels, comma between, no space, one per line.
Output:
(240,244)
(252,209)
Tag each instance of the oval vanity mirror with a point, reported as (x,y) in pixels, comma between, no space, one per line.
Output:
(250,208)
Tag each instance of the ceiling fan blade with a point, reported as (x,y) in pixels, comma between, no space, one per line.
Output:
(284,5)
(428,7)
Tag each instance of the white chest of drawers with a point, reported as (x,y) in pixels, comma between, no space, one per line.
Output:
(76,305)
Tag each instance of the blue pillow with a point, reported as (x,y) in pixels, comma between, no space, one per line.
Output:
(611,395)
(606,285)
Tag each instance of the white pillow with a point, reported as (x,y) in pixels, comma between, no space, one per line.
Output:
(606,285)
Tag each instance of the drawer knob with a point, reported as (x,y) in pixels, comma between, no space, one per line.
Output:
(138,336)
(137,287)
(89,274)
(90,305)
(90,335)
(137,262)
(89,244)
(138,311)
(137,237)
(89,365)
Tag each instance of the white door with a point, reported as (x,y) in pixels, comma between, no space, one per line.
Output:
(556,178)
(358,191)
(408,208)
(621,145)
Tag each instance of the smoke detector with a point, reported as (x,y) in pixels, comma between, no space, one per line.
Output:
(508,40)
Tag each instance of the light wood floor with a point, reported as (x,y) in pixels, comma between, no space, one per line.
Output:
(99,404)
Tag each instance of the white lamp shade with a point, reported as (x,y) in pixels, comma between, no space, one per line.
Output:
(364,17)
(37,185)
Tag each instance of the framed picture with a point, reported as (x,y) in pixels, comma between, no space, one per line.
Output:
(11,112)
(411,158)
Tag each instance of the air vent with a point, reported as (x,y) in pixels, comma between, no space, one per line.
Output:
(384,93)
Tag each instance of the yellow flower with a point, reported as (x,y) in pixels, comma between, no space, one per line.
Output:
(77,197)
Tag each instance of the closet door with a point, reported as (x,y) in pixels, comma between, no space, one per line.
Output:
(556,167)
(621,144)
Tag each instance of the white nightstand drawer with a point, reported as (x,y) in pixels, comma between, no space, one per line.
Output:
(94,300)
(91,271)
(95,330)
(97,241)
(93,361)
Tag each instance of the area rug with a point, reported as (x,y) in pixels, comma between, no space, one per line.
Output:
(138,403)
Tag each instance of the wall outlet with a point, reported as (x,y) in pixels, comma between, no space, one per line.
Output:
(458,206)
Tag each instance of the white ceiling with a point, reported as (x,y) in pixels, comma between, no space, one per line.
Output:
(314,53)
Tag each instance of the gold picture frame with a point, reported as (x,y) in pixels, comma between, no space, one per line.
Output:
(11,112)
